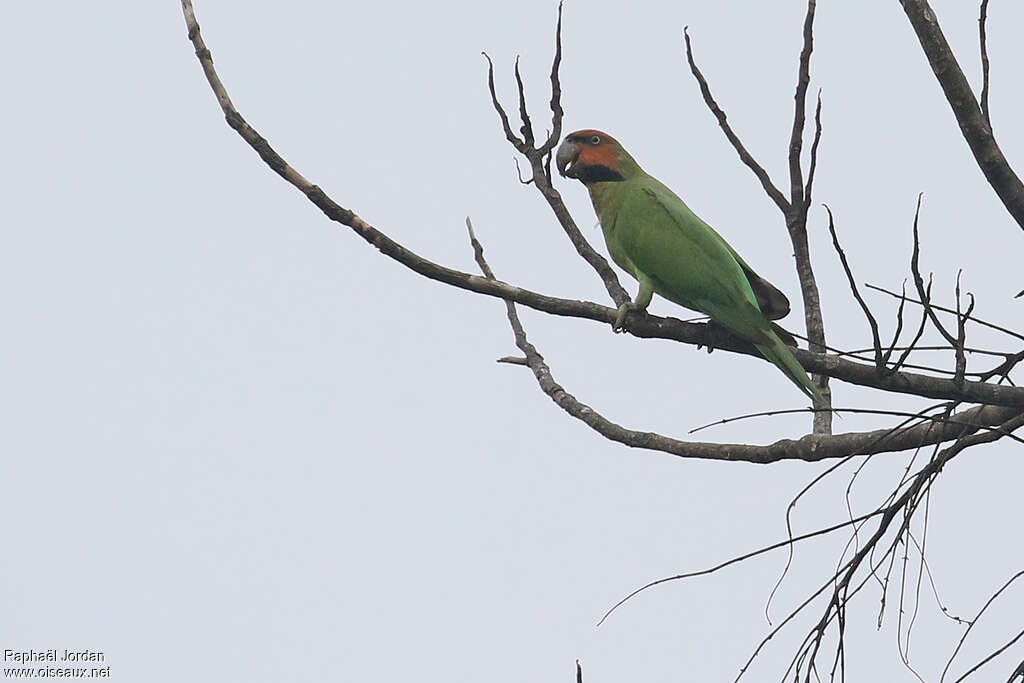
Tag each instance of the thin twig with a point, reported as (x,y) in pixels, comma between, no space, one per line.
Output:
(527,127)
(872,323)
(796,138)
(1003,369)
(973,123)
(539,159)
(813,167)
(556,93)
(982,43)
(505,125)
(853,411)
(925,292)
(734,560)
(992,656)
(992,598)
(974,319)
(906,502)
(745,156)
(961,332)
(899,328)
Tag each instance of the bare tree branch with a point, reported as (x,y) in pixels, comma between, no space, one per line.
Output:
(527,129)
(992,598)
(745,156)
(556,94)
(539,159)
(810,447)
(983,45)
(992,656)
(899,330)
(796,220)
(961,333)
(1001,409)
(936,307)
(740,558)
(972,121)
(795,208)
(906,504)
(852,411)
(1004,368)
(796,138)
(648,326)
(872,323)
(922,291)
(813,167)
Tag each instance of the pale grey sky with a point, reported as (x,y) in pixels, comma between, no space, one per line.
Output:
(239,444)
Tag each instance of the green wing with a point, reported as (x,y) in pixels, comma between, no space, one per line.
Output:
(653,234)
(687,261)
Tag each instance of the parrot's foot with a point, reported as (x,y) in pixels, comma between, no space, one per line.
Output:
(713,330)
(620,319)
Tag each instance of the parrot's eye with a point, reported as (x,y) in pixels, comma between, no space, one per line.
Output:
(595,140)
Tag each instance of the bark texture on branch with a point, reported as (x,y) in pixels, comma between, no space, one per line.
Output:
(969,115)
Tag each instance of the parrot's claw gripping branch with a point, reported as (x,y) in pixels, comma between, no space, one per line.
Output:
(638,305)
(620,318)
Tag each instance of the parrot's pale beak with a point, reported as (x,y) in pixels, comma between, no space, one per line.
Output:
(565,156)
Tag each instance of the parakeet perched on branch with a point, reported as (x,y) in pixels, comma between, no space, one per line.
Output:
(653,236)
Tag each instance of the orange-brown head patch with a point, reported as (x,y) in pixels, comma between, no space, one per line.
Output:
(596,149)
(593,156)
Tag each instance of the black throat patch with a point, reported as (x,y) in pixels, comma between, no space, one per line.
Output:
(598,174)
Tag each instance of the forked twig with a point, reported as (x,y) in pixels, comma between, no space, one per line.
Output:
(880,359)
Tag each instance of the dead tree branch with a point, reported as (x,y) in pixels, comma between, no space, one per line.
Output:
(794,209)
(969,115)
(902,508)
(1000,409)
(988,603)
(539,159)
(880,358)
(809,448)
(745,156)
(983,46)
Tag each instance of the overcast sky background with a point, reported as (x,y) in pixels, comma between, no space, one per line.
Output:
(240,444)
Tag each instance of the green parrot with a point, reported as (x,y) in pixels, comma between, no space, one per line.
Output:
(656,238)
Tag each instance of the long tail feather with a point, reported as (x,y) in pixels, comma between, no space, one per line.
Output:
(780,355)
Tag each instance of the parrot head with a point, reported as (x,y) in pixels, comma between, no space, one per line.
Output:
(591,156)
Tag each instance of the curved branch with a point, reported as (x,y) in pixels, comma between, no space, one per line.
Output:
(968,112)
(745,156)
(541,177)
(812,447)
(647,326)
(974,621)
(872,323)
(795,208)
